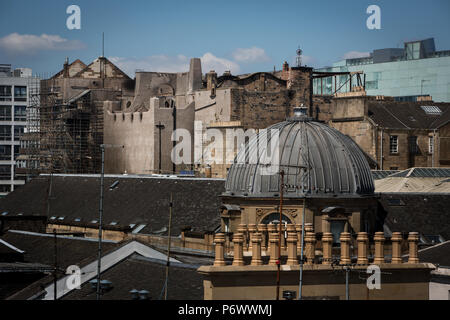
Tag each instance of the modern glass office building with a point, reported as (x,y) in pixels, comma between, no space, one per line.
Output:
(406,73)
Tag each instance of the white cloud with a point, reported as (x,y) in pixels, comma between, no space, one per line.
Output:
(211,62)
(253,54)
(156,63)
(29,44)
(179,63)
(355,54)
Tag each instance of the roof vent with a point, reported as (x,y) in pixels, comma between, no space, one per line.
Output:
(93,283)
(143,295)
(134,294)
(105,285)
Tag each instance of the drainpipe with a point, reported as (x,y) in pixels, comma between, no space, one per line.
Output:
(174,143)
(434,148)
(381,151)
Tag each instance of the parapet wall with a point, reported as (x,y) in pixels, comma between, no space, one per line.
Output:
(250,270)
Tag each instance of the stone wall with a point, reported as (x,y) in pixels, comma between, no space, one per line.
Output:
(138,133)
(259,110)
(250,270)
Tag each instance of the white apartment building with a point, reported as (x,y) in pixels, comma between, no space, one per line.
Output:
(14,100)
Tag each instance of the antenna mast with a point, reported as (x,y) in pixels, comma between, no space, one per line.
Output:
(298,59)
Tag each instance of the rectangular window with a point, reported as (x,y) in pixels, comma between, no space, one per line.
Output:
(16,152)
(20,113)
(430,144)
(5,93)
(20,93)
(371,85)
(18,131)
(336,228)
(5,172)
(393,144)
(5,113)
(5,133)
(413,146)
(5,188)
(5,152)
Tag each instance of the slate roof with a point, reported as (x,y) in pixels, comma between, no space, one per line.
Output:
(136,200)
(426,213)
(137,272)
(39,248)
(39,255)
(407,115)
(134,272)
(438,254)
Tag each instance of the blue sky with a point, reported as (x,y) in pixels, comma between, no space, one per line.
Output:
(244,36)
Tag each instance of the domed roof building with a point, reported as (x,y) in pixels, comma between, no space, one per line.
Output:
(321,167)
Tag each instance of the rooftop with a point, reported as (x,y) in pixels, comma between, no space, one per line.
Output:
(317,160)
(137,202)
(426,213)
(408,115)
(429,180)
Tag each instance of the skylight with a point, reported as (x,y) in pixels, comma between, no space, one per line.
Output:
(432,110)
(138,228)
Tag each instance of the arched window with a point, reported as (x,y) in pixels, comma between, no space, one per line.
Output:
(274,218)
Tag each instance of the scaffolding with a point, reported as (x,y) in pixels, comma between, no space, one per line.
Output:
(63,135)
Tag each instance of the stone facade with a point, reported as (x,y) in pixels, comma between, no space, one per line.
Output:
(358,215)
(70,115)
(250,272)
(372,121)
(230,102)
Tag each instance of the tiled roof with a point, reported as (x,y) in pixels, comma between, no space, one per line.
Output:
(437,254)
(39,248)
(139,201)
(140,273)
(405,115)
(426,213)
(39,254)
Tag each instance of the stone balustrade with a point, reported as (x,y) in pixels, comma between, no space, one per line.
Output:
(264,243)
